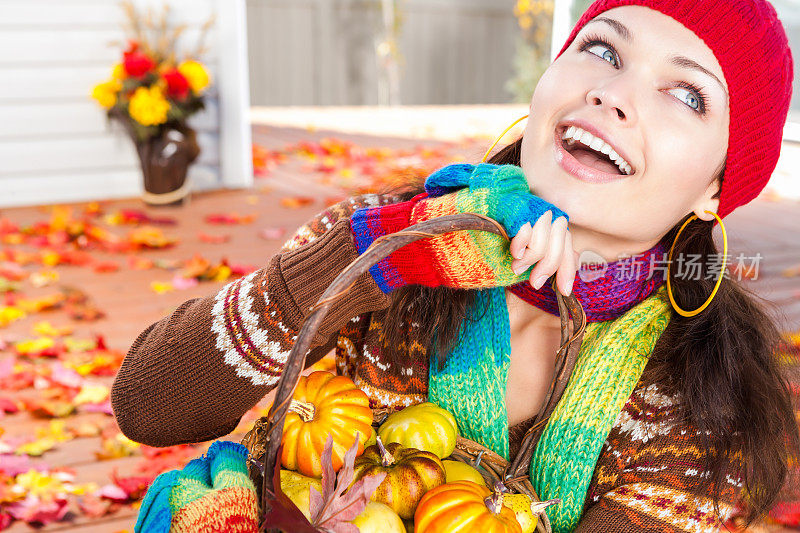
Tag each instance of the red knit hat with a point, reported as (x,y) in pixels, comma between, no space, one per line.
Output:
(750,44)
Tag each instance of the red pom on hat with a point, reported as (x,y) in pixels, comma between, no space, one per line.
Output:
(751,46)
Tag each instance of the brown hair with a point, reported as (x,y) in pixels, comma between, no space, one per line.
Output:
(721,362)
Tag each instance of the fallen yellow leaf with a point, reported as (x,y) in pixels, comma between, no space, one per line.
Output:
(91,393)
(160,287)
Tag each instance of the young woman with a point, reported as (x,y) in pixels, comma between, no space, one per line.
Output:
(655,113)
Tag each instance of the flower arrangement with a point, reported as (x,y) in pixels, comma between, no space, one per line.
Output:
(153,93)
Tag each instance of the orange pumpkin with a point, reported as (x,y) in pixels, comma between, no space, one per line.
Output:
(464,506)
(324,404)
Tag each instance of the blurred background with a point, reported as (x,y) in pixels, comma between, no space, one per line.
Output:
(152,151)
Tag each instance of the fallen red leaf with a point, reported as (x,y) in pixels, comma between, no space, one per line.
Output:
(106,266)
(213,239)
(229,218)
(296,202)
(272,234)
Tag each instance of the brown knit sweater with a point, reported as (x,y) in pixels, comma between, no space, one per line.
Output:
(192,375)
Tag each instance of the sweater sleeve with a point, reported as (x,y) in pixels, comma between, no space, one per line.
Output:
(650,475)
(191,376)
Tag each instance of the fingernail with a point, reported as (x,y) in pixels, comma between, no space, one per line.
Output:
(539,282)
(569,288)
(518,269)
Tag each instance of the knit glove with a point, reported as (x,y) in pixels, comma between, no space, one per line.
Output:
(211,493)
(462,259)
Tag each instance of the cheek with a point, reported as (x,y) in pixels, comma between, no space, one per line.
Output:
(684,163)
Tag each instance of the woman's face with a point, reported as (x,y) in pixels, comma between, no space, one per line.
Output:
(642,84)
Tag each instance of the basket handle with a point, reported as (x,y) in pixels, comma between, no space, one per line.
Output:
(380,248)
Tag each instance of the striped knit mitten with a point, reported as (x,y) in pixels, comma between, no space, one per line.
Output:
(212,493)
(462,259)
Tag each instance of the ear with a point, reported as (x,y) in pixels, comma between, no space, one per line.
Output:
(707,203)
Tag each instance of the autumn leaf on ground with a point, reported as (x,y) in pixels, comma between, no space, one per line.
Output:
(296,202)
(12,271)
(46,329)
(160,287)
(36,447)
(213,239)
(135,217)
(9,314)
(106,266)
(39,347)
(38,512)
(94,506)
(8,286)
(8,405)
(272,234)
(44,303)
(179,283)
(135,487)
(150,237)
(42,408)
(79,306)
(229,218)
(116,446)
(43,278)
(140,263)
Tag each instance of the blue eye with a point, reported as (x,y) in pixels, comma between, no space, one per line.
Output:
(597,45)
(690,95)
(687,97)
(604,52)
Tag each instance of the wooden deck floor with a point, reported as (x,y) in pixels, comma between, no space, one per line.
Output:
(765,227)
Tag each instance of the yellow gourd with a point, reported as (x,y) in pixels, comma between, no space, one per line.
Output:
(424,426)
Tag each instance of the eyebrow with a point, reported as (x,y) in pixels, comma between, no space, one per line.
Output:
(680,61)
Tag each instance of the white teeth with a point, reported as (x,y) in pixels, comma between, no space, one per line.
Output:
(575,134)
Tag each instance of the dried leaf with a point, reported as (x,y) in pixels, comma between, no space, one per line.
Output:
(296,202)
(272,234)
(284,514)
(336,506)
(213,239)
(230,218)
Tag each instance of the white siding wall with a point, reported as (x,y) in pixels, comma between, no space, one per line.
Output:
(55,142)
(322,52)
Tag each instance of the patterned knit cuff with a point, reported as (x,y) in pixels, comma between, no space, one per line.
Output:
(403,267)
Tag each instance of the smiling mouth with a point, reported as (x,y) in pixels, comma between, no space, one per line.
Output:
(593,152)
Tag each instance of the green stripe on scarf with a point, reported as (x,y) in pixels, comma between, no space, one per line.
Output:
(613,355)
(608,368)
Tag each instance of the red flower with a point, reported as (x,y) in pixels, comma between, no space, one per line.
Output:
(133,46)
(177,85)
(137,64)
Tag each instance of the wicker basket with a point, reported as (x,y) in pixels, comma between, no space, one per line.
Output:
(264,439)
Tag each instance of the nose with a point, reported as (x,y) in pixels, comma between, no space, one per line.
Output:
(614,98)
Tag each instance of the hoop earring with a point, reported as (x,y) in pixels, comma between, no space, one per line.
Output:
(719,279)
(486,155)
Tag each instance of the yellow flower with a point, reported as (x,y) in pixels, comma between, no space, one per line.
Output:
(148,106)
(118,72)
(196,74)
(106,93)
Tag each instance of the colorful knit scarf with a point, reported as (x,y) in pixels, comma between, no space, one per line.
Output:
(612,289)
(472,385)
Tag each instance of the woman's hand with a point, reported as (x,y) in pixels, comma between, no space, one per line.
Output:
(548,246)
